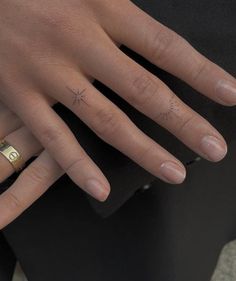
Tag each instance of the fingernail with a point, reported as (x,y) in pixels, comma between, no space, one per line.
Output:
(97,190)
(226,92)
(172,172)
(213,148)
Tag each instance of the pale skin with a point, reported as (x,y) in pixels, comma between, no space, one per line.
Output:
(51,51)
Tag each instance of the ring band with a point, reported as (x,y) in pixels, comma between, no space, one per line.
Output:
(12,155)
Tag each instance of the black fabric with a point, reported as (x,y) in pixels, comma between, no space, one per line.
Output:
(167,233)
(7,260)
(162,234)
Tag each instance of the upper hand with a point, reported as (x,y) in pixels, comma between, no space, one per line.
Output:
(51,51)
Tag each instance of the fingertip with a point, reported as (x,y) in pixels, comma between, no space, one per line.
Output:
(104,196)
(172,172)
(97,190)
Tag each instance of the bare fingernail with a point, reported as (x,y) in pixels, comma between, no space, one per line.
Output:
(213,148)
(172,172)
(97,190)
(226,92)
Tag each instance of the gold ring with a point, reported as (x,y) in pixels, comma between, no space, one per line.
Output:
(12,155)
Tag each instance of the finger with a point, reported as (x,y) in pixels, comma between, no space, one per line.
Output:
(55,136)
(33,181)
(8,120)
(152,97)
(25,143)
(110,123)
(169,51)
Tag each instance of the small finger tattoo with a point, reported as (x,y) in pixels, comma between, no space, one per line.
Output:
(78,96)
(173,107)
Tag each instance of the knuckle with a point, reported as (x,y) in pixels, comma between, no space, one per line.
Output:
(106,122)
(199,70)
(143,89)
(145,154)
(54,19)
(50,135)
(13,202)
(74,165)
(185,124)
(58,21)
(36,174)
(160,44)
(9,81)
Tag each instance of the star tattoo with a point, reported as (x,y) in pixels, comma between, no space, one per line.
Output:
(78,96)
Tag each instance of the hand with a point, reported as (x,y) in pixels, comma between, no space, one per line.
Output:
(50,51)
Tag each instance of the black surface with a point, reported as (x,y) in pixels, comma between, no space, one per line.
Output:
(7,260)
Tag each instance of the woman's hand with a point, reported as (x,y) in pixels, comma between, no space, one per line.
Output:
(50,51)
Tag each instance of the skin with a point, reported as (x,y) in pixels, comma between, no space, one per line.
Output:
(51,51)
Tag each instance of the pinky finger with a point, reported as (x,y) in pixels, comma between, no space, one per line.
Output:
(33,181)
